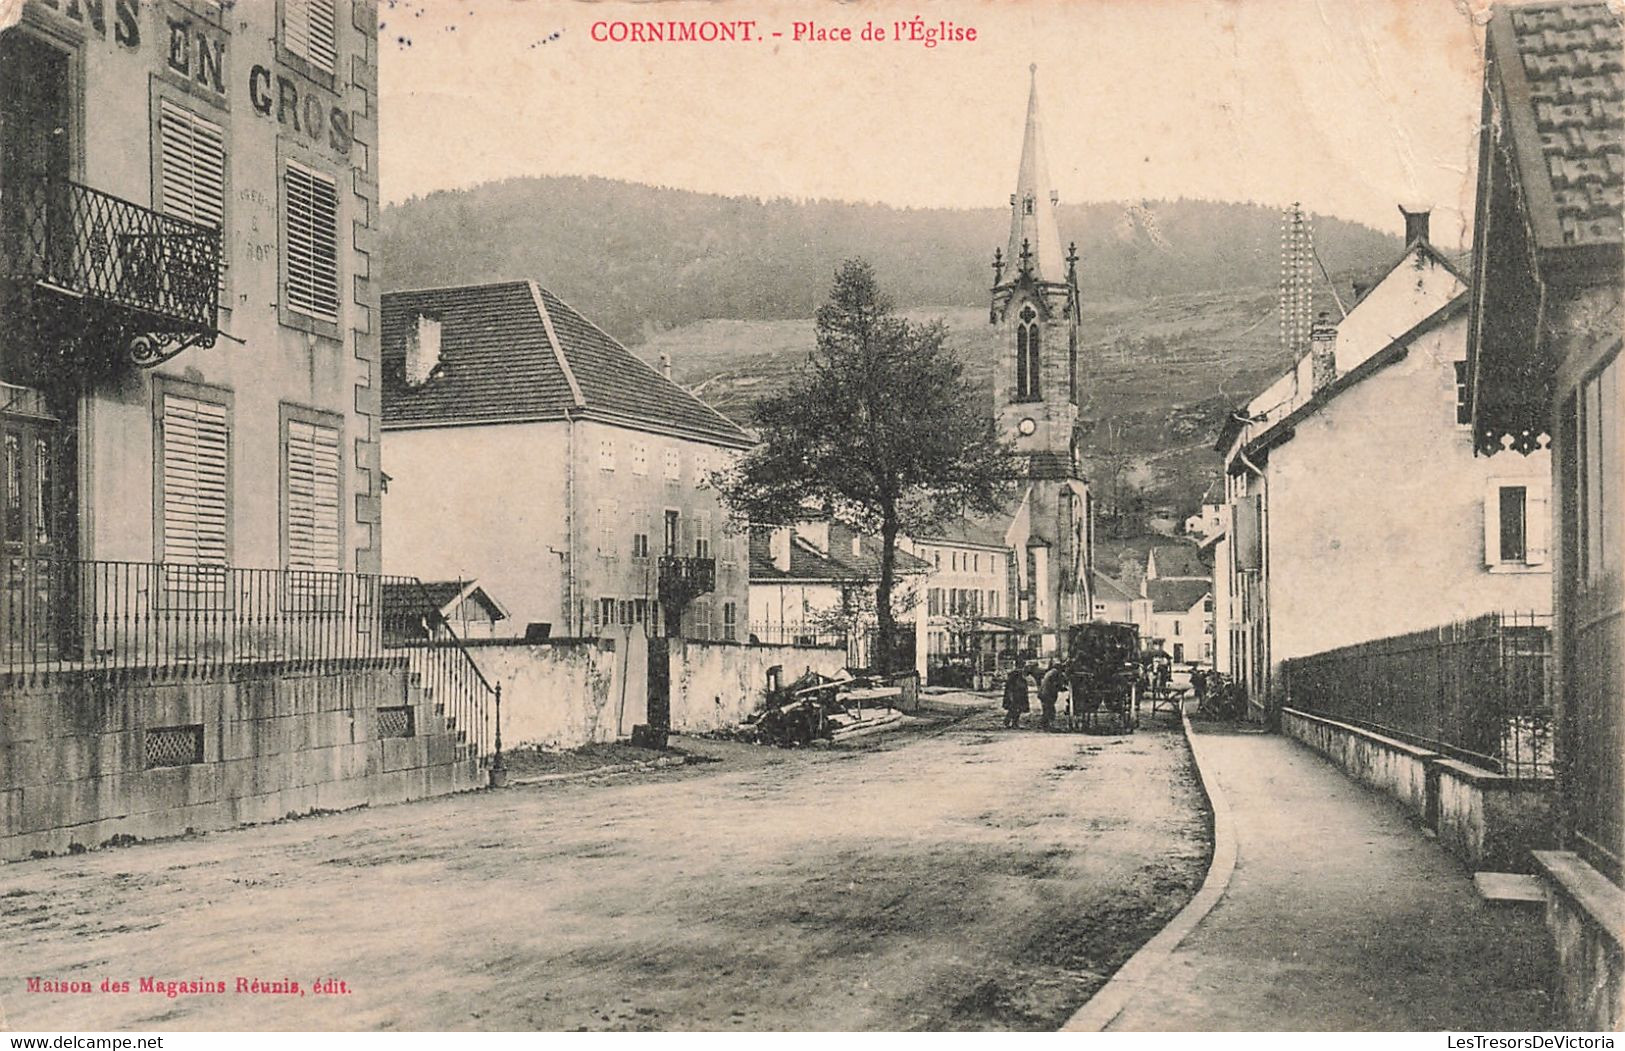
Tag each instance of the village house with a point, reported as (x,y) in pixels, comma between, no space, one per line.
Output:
(189,426)
(815,582)
(969,599)
(1544,336)
(440,609)
(1118,603)
(1181,618)
(1356,508)
(525,445)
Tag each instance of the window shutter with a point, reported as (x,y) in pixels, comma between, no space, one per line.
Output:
(313,497)
(1537,519)
(312,243)
(195,457)
(1492,522)
(310,30)
(193,153)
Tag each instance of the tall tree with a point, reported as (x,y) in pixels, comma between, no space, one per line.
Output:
(880,430)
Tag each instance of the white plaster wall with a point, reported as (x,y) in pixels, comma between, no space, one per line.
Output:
(481,503)
(718,684)
(1406,296)
(1376,512)
(569,693)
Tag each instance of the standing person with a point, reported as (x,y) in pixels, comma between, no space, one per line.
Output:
(1049,690)
(1015,697)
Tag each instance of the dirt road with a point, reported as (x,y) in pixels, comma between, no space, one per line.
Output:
(961,877)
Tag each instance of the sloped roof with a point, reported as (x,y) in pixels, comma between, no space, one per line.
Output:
(1110,589)
(1559,67)
(839,564)
(1176,596)
(403,600)
(980,532)
(1177,560)
(514,352)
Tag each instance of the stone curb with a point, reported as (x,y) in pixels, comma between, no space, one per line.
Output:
(601,771)
(1143,971)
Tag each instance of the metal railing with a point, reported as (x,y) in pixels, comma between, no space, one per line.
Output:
(162,620)
(684,578)
(1477,690)
(795,634)
(100,247)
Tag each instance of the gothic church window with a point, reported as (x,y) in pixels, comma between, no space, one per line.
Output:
(1027,355)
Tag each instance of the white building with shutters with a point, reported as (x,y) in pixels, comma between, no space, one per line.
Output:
(1355,508)
(152,149)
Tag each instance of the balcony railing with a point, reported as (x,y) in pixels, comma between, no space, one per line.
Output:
(683,579)
(114,621)
(143,272)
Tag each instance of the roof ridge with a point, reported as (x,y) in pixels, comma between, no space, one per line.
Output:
(553,341)
(453,288)
(660,375)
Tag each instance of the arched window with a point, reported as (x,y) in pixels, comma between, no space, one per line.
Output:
(1027,355)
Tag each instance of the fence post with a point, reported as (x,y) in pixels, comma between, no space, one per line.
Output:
(499,772)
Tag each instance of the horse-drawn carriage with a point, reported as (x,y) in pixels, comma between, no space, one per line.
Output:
(1103,675)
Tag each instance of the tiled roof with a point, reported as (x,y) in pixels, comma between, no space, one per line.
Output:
(980,532)
(401,600)
(1176,596)
(1178,560)
(1564,88)
(1110,589)
(838,564)
(515,352)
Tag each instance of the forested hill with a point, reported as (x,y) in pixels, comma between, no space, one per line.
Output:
(642,259)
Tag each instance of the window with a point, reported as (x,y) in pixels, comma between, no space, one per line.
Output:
(312,210)
(1179,650)
(640,545)
(310,30)
(1464,416)
(671,537)
(674,465)
(195,458)
(606,454)
(933,602)
(936,557)
(1515,523)
(640,611)
(730,621)
(606,613)
(640,459)
(1027,355)
(1596,477)
(311,496)
(1178,628)
(702,535)
(607,515)
(192,168)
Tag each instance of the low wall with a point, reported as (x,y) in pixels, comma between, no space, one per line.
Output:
(1383,763)
(1489,821)
(568,692)
(719,684)
(1585,915)
(85,761)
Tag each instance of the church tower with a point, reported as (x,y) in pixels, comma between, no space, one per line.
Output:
(1035,305)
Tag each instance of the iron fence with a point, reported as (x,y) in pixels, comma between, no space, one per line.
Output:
(163,620)
(1478,690)
(797,634)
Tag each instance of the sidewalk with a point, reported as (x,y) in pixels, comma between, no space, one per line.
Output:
(1340,915)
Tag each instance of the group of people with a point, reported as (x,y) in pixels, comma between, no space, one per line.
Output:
(1017,688)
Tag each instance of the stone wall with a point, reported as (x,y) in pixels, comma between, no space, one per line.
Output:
(568,692)
(1585,915)
(1489,821)
(87,761)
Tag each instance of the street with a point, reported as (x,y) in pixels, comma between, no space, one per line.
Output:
(952,876)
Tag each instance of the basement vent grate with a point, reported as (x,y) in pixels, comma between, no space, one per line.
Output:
(395,722)
(174,746)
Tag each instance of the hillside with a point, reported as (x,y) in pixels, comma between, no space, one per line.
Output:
(642,259)
(1179,297)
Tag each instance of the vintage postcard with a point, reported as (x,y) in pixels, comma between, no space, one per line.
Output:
(1069,515)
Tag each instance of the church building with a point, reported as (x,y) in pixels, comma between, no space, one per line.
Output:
(1035,305)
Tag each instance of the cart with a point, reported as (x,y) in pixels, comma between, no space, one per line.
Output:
(1103,675)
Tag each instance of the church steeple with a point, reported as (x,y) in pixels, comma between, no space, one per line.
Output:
(1033,229)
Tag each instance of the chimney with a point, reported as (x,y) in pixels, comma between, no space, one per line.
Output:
(778,545)
(422,350)
(1323,351)
(1416,225)
(665,364)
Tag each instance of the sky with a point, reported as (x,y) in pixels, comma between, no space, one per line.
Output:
(1350,106)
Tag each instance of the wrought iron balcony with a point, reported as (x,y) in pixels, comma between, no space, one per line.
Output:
(683,579)
(103,275)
